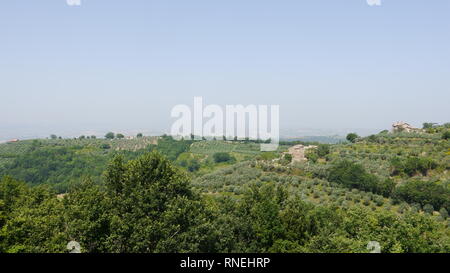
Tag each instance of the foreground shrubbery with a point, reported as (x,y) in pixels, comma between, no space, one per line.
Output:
(147,205)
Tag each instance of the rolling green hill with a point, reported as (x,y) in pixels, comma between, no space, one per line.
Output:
(227,196)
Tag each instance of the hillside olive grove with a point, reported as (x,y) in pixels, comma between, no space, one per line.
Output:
(139,196)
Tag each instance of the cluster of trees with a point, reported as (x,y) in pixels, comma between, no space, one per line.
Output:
(145,204)
(222,157)
(148,205)
(245,140)
(191,164)
(425,193)
(55,165)
(412,165)
(63,163)
(170,147)
(352,137)
(111,135)
(282,224)
(286,160)
(353,175)
(59,165)
(54,137)
(446,135)
(433,127)
(321,152)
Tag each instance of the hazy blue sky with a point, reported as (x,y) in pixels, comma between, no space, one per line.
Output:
(123,64)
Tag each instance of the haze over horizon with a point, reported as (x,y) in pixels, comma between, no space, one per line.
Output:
(121,66)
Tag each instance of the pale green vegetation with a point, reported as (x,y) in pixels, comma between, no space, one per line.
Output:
(226,196)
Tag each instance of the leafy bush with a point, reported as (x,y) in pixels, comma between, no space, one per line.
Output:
(444,213)
(323,150)
(312,155)
(428,209)
(352,137)
(446,135)
(110,135)
(423,192)
(412,165)
(105,146)
(222,157)
(288,158)
(170,147)
(354,175)
(193,165)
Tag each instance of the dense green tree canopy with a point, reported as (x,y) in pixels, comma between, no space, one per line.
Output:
(352,137)
(110,135)
(163,195)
